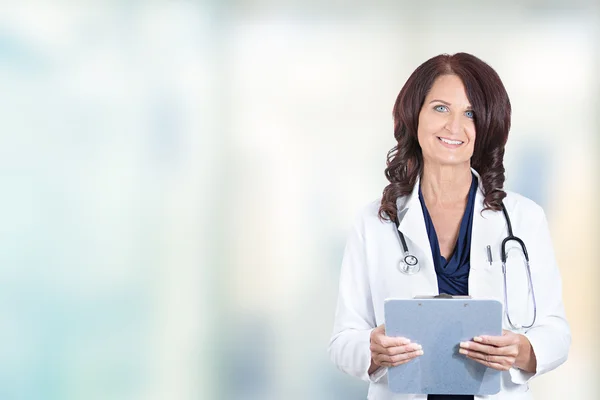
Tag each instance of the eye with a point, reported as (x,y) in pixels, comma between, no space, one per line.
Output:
(440,108)
(470,114)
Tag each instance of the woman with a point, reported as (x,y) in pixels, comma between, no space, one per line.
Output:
(446,197)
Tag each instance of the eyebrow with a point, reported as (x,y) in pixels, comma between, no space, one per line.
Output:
(448,104)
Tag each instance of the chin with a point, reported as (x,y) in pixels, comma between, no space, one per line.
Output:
(452,161)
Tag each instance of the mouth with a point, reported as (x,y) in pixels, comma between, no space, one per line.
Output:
(450,142)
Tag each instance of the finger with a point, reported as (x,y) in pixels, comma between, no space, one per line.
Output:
(377,348)
(489,364)
(499,341)
(392,351)
(398,357)
(407,357)
(472,346)
(391,341)
(503,360)
(390,365)
(509,350)
(401,357)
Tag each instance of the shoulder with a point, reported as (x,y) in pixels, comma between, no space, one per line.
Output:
(369,211)
(523,208)
(367,218)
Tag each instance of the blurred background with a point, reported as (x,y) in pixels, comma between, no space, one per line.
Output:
(178,179)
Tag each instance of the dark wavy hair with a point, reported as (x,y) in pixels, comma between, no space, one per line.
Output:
(492,112)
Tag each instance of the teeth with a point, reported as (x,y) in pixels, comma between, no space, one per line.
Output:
(451,141)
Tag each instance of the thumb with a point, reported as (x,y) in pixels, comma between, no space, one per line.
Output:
(379,331)
(375,333)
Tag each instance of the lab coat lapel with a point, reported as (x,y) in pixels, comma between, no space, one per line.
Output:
(488,228)
(412,223)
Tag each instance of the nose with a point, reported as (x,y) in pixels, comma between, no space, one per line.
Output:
(454,124)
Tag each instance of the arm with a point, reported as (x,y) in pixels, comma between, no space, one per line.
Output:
(349,347)
(547,342)
(545,345)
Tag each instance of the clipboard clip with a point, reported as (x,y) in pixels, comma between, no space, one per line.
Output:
(443,296)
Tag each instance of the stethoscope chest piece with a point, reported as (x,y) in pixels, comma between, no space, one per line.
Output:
(409,264)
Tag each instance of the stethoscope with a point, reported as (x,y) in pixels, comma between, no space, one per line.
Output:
(409,265)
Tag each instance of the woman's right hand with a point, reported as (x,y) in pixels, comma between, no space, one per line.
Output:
(389,351)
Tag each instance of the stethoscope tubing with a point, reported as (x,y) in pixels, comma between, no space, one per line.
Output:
(409,265)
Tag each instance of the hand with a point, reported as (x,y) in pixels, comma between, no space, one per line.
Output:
(498,352)
(389,351)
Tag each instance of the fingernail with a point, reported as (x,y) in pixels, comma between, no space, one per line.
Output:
(418,347)
(478,339)
(463,351)
(464,344)
(420,352)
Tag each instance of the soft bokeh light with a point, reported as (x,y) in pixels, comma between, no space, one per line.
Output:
(178,179)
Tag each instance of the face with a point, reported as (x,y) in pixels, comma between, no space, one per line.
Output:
(446,128)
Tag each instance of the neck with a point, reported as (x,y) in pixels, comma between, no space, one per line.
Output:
(446,185)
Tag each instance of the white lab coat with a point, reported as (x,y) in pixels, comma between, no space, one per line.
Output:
(369,275)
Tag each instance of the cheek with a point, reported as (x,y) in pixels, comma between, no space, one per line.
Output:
(421,129)
(471,141)
(420,134)
(426,129)
(424,137)
(471,135)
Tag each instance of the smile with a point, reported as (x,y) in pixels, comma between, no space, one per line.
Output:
(448,141)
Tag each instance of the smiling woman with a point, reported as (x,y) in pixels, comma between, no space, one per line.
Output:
(446,128)
(447,205)
(443,95)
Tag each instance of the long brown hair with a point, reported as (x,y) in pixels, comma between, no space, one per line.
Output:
(492,111)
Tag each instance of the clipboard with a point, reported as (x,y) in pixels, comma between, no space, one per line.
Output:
(439,325)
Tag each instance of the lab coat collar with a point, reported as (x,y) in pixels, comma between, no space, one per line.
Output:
(412,222)
(404,203)
(487,225)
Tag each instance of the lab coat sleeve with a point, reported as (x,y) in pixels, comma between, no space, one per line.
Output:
(349,347)
(550,337)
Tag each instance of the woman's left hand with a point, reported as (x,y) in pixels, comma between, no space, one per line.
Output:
(498,352)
